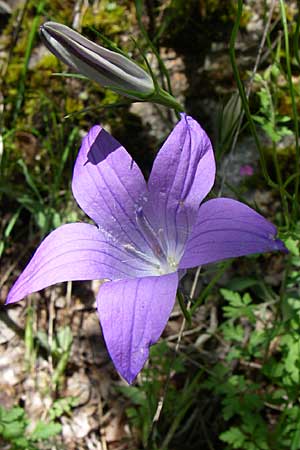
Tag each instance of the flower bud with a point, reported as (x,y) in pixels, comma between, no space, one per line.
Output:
(111,69)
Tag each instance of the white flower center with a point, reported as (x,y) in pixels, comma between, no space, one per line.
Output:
(159,260)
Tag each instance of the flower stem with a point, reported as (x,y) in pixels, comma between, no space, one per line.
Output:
(294,106)
(164,98)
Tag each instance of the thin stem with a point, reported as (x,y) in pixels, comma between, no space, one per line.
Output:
(183,308)
(243,95)
(162,67)
(281,186)
(160,403)
(294,106)
(31,38)
(281,189)
(296,39)
(208,288)
(164,98)
(192,293)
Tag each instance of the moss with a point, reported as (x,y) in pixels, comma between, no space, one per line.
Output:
(286,158)
(226,11)
(285,101)
(110,19)
(47,99)
(183,16)
(13,73)
(73,105)
(49,61)
(110,97)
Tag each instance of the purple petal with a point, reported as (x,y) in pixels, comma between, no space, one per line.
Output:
(183,173)
(74,251)
(226,228)
(108,186)
(133,314)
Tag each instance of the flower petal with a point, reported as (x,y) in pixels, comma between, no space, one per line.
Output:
(108,186)
(74,251)
(133,314)
(225,229)
(183,173)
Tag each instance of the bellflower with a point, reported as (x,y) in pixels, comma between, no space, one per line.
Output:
(95,62)
(146,235)
(109,68)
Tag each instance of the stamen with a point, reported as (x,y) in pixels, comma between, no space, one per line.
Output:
(131,249)
(150,235)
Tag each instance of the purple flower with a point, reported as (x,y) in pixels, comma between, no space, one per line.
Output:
(246,170)
(144,234)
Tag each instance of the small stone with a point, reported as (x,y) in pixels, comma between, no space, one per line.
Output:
(78,386)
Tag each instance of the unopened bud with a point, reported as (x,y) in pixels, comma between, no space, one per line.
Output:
(111,69)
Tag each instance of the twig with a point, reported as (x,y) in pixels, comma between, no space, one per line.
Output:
(100,414)
(185,333)
(213,325)
(252,365)
(50,330)
(78,12)
(69,294)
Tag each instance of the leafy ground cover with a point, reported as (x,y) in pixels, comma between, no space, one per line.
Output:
(227,374)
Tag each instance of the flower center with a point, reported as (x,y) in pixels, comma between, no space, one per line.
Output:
(150,235)
(160,261)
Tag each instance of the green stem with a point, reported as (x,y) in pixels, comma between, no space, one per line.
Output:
(243,94)
(209,287)
(164,98)
(280,186)
(162,67)
(31,38)
(281,189)
(295,209)
(29,337)
(183,308)
(296,39)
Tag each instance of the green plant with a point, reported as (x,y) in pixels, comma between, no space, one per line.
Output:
(268,116)
(143,398)
(14,429)
(259,378)
(60,350)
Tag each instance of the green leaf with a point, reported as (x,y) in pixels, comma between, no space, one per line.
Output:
(64,338)
(134,394)
(233,436)
(62,406)
(12,415)
(12,430)
(296,439)
(293,246)
(22,442)
(44,430)
(42,338)
(233,297)
(238,306)
(240,284)
(259,119)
